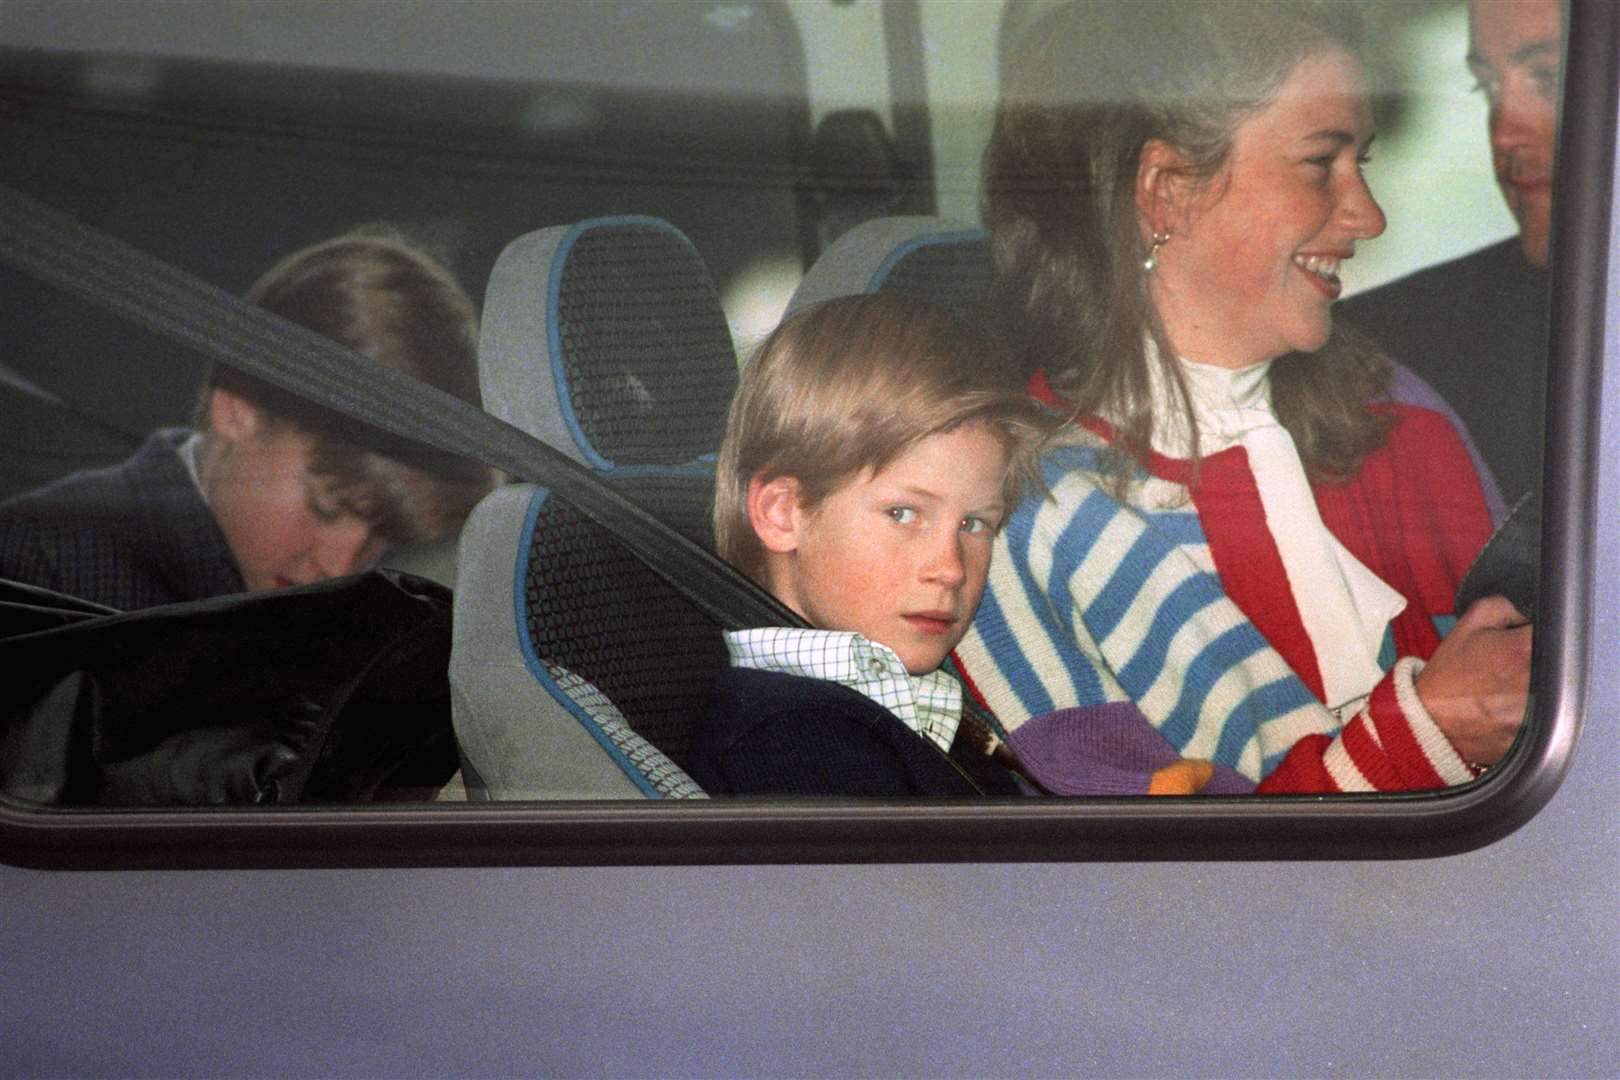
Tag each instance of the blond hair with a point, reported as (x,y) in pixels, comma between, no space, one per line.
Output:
(848,386)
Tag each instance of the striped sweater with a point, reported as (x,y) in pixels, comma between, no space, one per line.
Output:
(1177,606)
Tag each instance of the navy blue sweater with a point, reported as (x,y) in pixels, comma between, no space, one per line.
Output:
(767,733)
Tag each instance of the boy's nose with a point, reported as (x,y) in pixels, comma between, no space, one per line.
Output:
(344,547)
(944,565)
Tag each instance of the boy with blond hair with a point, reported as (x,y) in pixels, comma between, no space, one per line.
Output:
(872,453)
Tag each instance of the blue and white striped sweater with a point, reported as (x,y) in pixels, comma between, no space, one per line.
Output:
(1091,601)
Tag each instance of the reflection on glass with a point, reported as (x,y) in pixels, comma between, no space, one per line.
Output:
(1264,470)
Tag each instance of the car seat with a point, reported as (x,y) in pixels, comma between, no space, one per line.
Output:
(933,259)
(575,670)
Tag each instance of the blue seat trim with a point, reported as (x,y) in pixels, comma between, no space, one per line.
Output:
(895,257)
(537,668)
(703,466)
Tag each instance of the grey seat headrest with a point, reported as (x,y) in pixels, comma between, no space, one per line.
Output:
(606,339)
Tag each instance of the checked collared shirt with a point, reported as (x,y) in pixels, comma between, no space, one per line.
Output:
(930,705)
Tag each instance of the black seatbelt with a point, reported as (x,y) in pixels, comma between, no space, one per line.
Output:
(109,273)
(105,271)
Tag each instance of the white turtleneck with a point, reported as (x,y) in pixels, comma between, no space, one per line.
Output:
(1345,607)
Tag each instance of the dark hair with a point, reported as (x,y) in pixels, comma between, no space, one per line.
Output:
(1090,85)
(851,384)
(370,290)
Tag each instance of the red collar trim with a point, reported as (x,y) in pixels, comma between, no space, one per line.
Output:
(1176,470)
(1042,391)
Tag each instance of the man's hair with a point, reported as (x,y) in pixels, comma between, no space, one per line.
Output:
(370,290)
(1089,85)
(848,386)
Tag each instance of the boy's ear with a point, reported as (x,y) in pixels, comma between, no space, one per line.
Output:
(1162,188)
(231,416)
(774,512)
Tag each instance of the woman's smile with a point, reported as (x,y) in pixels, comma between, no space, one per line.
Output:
(1322,271)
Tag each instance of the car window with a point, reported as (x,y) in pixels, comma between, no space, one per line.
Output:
(1285,545)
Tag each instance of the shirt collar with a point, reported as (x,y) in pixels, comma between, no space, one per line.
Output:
(188,457)
(930,705)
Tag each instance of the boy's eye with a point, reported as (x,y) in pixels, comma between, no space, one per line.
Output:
(976,525)
(323,509)
(330,506)
(902,515)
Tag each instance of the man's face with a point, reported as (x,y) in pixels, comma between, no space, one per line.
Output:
(1515,50)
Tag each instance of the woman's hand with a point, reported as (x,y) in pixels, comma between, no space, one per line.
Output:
(1477,683)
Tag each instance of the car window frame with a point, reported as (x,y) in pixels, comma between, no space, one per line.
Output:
(1382,826)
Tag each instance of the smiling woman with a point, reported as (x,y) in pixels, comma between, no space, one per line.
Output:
(1169,217)
(1273,225)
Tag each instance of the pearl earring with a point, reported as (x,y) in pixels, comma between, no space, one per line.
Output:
(1151,263)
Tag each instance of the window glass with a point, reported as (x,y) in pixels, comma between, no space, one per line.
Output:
(1259,293)
(222,137)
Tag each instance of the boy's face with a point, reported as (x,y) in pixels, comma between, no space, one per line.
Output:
(283,521)
(900,556)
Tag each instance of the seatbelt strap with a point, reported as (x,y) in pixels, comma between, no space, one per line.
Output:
(105,271)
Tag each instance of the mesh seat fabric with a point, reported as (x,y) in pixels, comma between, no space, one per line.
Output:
(607,341)
(592,608)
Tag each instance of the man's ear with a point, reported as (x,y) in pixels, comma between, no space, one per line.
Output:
(232,416)
(775,512)
(1162,188)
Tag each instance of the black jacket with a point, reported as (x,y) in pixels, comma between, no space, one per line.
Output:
(1476,329)
(772,734)
(132,536)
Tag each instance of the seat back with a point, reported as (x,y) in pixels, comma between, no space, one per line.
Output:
(606,339)
(934,259)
